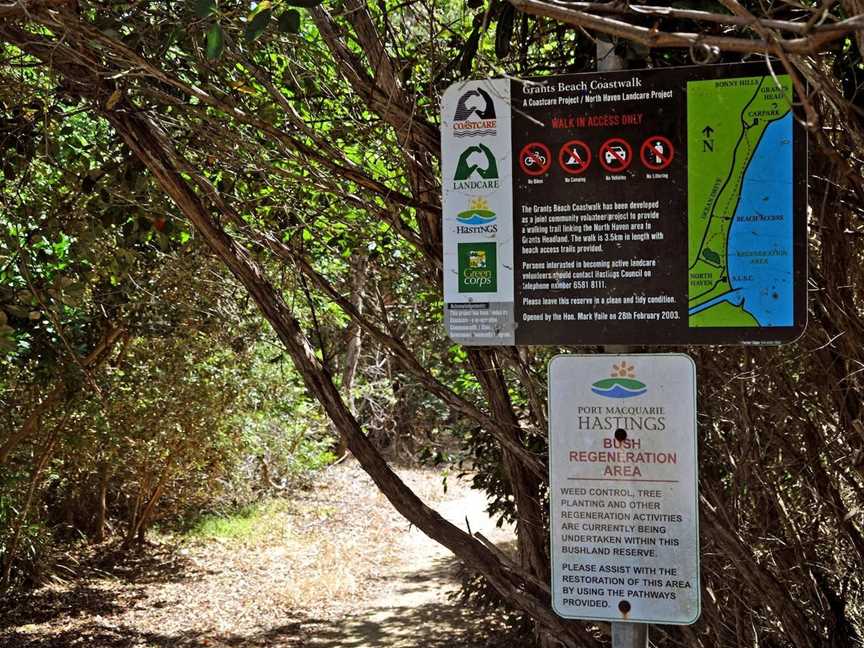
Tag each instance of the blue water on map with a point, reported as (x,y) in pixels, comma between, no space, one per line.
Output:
(759,249)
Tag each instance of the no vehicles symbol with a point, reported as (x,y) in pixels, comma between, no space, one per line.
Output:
(615,155)
(574,157)
(535,159)
(657,153)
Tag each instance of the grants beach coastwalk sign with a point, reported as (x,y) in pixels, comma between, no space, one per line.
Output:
(623,488)
(663,206)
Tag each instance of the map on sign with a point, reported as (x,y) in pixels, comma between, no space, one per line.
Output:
(740,202)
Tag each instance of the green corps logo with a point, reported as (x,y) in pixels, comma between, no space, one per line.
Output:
(478,267)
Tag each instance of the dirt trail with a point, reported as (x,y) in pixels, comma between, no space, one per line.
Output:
(417,607)
(327,568)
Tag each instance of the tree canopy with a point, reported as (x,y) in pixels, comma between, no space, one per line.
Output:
(169,167)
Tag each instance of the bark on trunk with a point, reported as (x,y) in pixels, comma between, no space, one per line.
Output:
(354,345)
(102,502)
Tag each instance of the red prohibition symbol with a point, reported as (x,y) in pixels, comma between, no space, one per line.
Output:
(657,152)
(535,158)
(574,157)
(615,155)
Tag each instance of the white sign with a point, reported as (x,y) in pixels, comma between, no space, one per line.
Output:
(623,488)
(476,175)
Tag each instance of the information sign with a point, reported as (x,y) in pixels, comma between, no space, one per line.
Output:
(663,206)
(623,488)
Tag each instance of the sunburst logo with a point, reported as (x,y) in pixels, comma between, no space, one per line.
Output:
(622,384)
(477,214)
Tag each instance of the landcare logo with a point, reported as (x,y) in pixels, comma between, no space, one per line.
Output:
(622,384)
(478,267)
(477,169)
(477,218)
(475,114)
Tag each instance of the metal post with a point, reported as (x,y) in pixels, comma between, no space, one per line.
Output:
(607,59)
(629,635)
(624,635)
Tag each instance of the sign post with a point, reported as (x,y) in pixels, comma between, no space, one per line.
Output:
(647,207)
(624,635)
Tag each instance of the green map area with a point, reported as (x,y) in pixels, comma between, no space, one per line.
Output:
(726,122)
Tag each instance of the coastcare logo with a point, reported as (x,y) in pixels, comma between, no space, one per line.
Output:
(478,269)
(622,384)
(475,114)
(477,169)
(477,218)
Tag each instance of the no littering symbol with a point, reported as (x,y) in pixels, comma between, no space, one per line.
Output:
(615,155)
(574,157)
(657,153)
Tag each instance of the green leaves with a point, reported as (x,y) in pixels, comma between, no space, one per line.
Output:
(215,42)
(504,31)
(466,61)
(289,22)
(203,8)
(257,24)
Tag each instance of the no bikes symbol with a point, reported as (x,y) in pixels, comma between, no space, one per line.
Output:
(535,159)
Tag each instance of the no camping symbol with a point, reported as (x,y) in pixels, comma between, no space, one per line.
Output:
(615,155)
(657,153)
(574,157)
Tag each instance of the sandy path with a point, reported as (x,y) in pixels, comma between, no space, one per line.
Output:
(417,606)
(332,567)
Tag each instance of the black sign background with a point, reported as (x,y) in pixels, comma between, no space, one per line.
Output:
(636,183)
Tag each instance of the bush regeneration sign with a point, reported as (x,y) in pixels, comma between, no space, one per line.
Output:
(623,488)
(663,206)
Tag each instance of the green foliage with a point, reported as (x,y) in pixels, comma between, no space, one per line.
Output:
(200,393)
(289,22)
(256,25)
(247,523)
(215,41)
(203,8)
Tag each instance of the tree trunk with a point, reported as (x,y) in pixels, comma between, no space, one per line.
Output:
(140,520)
(354,345)
(102,502)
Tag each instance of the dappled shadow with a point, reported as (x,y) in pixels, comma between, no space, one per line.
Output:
(433,625)
(76,617)
(152,563)
(96,635)
(436,624)
(95,591)
(47,604)
(430,626)
(266,593)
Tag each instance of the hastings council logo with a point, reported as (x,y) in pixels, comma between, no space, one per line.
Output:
(622,384)
(478,217)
